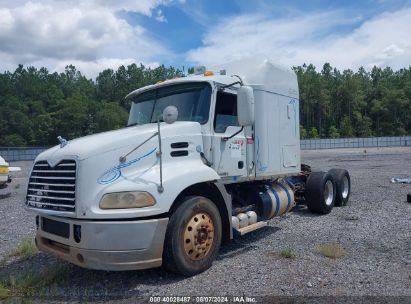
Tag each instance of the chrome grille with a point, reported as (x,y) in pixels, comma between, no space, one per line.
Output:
(53,188)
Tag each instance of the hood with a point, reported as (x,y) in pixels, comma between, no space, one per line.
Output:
(85,147)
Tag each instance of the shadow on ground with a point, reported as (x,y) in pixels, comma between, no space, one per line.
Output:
(72,282)
(302,211)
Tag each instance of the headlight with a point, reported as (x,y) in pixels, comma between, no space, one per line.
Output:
(124,200)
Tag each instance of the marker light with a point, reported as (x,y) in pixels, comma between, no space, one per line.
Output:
(208,73)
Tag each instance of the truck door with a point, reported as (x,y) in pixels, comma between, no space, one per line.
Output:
(229,152)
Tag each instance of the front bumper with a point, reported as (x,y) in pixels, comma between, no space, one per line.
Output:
(103,245)
(4,178)
(4,181)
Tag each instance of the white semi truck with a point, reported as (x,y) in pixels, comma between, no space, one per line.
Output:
(203,158)
(5,177)
(4,173)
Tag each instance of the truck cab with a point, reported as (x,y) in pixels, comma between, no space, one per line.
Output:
(202,158)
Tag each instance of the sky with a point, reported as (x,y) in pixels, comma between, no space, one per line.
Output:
(97,34)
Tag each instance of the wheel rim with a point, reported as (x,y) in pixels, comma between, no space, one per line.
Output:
(198,236)
(328,192)
(346,187)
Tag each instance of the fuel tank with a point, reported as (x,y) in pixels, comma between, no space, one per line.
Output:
(272,199)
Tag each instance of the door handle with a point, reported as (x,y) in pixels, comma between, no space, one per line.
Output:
(240,164)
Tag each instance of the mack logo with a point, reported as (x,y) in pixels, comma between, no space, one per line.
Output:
(52,162)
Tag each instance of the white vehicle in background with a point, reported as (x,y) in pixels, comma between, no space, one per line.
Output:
(5,170)
(204,157)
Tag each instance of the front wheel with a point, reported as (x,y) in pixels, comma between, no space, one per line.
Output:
(320,192)
(193,237)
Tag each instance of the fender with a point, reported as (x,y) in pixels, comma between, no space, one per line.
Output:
(179,176)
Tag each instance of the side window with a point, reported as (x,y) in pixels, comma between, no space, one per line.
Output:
(225,112)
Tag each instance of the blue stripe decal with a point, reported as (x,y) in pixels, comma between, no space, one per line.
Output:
(277,199)
(114,173)
(260,166)
(288,195)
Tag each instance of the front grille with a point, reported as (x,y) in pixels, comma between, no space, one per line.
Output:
(53,188)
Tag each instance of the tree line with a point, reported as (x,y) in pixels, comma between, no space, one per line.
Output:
(36,106)
(354,104)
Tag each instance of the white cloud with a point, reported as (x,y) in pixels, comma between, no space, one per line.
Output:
(160,16)
(36,30)
(52,33)
(139,6)
(311,38)
(92,68)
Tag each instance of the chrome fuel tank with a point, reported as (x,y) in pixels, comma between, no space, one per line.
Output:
(273,199)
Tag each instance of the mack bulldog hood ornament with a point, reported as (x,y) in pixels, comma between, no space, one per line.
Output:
(63,142)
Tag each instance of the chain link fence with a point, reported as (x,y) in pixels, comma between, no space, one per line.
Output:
(366,142)
(20,153)
(30,153)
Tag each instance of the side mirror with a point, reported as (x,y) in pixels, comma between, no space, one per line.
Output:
(170,114)
(245,106)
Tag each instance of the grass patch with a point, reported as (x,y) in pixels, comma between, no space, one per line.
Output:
(24,250)
(28,282)
(350,217)
(32,281)
(4,292)
(3,261)
(332,250)
(288,253)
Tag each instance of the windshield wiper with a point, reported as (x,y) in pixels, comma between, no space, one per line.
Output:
(136,123)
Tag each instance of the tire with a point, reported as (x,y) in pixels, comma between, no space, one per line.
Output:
(197,218)
(409,198)
(343,186)
(318,194)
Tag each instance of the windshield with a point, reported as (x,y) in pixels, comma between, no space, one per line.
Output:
(191,99)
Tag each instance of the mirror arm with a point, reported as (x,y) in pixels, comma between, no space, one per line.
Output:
(229,85)
(124,158)
(240,82)
(205,160)
(160,188)
(238,132)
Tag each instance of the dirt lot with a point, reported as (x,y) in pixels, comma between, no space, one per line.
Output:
(282,259)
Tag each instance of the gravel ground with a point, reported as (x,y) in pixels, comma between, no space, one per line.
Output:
(374,230)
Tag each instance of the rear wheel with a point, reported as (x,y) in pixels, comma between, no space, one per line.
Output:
(343,186)
(193,237)
(320,192)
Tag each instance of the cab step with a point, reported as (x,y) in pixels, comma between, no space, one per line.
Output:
(250,228)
